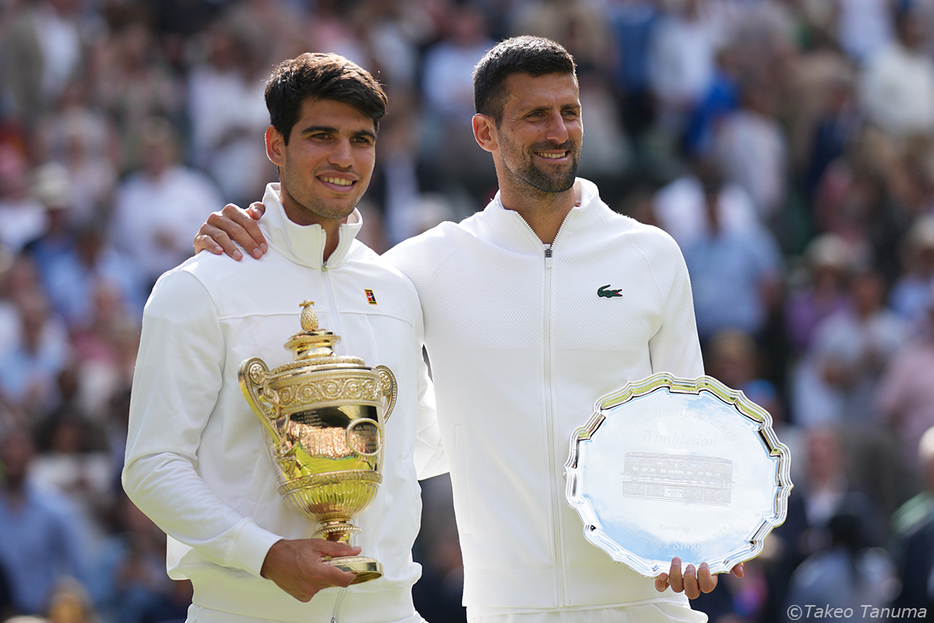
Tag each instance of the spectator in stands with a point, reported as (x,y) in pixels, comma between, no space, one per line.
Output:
(897,83)
(42,350)
(913,535)
(136,83)
(744,268)
(159,206)
(911,294)
(820,290)
(848,575)
(447,87)
(227,111)
(43,49)
(23,215)
(904,398)
(751,147)
(839,374)
(39,545)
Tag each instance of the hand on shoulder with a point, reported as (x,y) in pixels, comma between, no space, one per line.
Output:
(233,226)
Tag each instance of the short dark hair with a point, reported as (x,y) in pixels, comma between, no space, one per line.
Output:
(320,76)
(535,56)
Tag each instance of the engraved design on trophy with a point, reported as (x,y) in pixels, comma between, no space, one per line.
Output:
(324,417)
(706,480)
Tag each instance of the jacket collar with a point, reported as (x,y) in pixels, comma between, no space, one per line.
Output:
(304,244)
(514,232)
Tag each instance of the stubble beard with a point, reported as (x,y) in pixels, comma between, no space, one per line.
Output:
(316,209)
(531,175)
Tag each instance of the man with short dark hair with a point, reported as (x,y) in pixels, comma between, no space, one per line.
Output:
(196,459)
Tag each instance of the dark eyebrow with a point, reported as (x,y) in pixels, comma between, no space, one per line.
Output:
(563,107)
(314,129)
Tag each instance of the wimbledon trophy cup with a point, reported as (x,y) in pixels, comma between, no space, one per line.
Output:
(324,414)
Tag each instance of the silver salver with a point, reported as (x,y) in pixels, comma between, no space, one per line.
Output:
(671,467)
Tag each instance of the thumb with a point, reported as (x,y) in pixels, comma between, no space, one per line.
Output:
(256,210)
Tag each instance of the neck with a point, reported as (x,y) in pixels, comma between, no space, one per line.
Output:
(298,215)
(543,211)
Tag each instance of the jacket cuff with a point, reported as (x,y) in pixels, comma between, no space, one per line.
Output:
(250,547)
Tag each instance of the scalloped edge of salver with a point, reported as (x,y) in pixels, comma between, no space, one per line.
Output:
(733,397)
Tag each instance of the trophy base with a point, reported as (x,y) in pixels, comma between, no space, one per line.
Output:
(366,568)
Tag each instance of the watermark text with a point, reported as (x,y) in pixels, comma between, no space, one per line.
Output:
(816,611)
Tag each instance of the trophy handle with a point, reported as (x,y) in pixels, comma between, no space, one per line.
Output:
(252,375)
(387,388)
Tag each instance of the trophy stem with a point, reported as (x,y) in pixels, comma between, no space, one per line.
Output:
(342,529)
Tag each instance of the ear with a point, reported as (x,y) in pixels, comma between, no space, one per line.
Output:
(484,132)
(275,146)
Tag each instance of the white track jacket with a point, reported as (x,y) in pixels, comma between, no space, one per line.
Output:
(523,338)
(196,462)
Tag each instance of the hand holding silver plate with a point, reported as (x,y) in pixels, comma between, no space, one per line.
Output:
(669,467)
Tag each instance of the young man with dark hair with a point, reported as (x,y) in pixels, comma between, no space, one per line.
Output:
(522,342)
(196,459)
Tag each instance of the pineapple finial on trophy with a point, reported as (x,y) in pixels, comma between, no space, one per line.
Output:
(309,318)
(311,341)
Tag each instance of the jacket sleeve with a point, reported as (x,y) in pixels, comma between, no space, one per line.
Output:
(179,373)
(675,347)
(430,459)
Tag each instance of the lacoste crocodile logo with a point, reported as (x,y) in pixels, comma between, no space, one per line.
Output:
(608,294)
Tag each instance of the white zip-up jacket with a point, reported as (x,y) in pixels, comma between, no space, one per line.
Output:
(196,461)
(523,338)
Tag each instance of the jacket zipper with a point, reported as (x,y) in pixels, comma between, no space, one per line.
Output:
(338,602)
(549,412)
(557,497)
(550,430)
(329,292)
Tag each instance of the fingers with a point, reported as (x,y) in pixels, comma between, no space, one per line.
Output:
(675,577)
(237,225)
(231,226)
(300,567)
(336,548)
(332,575)
(214,240)
(706,581)
(241,226)
(691,588)
(739,570)
(692,582)
(256,209)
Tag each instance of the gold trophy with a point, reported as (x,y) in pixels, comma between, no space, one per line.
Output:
(324,414)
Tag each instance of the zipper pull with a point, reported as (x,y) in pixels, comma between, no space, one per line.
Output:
(547,256)
(324,269)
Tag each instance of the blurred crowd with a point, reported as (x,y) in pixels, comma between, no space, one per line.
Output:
(787,145)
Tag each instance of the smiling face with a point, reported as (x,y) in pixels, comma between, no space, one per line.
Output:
(326,166)
(538,137)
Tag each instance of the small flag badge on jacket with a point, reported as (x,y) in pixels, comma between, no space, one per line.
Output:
(370,297)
